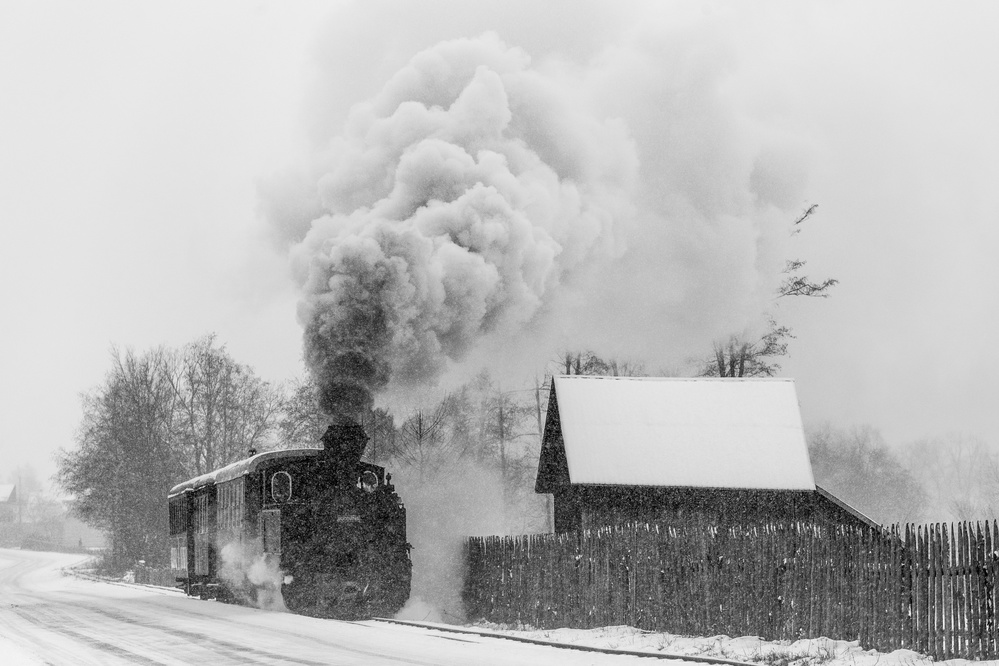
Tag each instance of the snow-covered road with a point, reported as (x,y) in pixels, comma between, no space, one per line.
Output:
(47,617)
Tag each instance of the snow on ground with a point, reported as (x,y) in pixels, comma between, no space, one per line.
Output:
(70,620)
(807,652)
(15,654)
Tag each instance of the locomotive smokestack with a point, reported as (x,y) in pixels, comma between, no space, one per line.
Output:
(344,442)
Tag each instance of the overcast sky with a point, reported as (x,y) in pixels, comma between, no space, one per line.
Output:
(145,195)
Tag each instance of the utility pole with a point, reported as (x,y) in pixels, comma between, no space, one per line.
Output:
(502,440)
(537,402)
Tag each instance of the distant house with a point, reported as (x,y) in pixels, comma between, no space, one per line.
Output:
(623,449)
(8,503)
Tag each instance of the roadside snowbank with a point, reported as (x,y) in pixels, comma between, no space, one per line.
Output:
(806,652)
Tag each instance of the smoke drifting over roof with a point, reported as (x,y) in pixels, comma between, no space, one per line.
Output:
(623,205)
(455,201)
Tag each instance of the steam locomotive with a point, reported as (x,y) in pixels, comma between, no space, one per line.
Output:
(319,526)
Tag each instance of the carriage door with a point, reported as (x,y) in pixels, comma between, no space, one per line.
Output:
(270,530)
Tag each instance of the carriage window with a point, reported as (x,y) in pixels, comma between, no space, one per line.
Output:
(281,486)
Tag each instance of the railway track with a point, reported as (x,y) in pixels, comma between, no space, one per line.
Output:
(566,646)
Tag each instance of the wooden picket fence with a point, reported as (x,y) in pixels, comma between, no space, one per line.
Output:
(927,588)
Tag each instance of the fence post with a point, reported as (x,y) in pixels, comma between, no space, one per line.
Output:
(918,605)
(980,588)
(965,570)
(948,591)
(991,543)
(940,613)
(898,610)
(988,594)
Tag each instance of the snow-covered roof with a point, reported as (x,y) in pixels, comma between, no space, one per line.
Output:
(240,467)
(7,493)
(703,432)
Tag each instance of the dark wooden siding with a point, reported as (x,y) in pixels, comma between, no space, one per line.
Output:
(553,469)
(203,524)
(591,507)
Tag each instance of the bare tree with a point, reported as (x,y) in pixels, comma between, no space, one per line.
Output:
(796,284)
(960,473)
(857,466)
(742,357)
(302,422)
(224,409)
(124,462)
(507,440)
(158,418)
(426,442)
(589,363)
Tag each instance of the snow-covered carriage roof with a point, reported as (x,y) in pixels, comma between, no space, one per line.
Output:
(701,432)
(7,492)
(241,467)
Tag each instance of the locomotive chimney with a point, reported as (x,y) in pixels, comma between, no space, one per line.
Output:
(344,442)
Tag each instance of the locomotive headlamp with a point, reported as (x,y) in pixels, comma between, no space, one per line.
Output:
(368,481)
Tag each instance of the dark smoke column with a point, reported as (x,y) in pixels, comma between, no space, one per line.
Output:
(346,344)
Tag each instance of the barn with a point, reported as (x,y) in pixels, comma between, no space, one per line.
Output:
(727,451)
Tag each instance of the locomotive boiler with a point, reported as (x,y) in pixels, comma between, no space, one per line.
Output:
(320,526)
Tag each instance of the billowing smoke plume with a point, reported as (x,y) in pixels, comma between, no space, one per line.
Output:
(488,205)
(455,202)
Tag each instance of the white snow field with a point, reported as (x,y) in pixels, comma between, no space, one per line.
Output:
(48,617)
